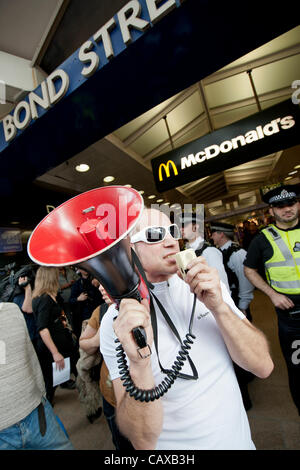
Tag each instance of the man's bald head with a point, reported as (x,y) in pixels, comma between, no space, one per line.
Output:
(151,217)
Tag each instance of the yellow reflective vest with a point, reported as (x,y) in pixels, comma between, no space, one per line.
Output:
(283,268)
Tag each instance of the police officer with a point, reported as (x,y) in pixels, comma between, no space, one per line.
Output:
(241,289)
(191,234)
(233,259)
(277,247)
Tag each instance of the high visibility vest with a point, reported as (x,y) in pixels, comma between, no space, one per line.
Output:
(283,268)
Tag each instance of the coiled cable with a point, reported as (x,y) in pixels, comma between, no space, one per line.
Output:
(171,375)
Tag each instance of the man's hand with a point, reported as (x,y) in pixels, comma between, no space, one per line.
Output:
(82,297)
(281,301)
(204,281)
(131,315)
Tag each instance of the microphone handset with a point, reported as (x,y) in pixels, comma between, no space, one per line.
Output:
(140,337)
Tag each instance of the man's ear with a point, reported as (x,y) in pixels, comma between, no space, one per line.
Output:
(271,212)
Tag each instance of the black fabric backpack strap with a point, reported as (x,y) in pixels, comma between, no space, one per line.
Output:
(200,250)
(229,251)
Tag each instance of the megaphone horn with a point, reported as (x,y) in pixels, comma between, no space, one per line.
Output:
(91,231)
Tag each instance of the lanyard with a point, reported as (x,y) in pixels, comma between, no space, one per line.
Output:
(185,345)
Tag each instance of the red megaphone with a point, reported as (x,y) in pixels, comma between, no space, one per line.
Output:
(91,231)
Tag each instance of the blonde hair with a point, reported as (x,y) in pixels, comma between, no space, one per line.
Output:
(46,281)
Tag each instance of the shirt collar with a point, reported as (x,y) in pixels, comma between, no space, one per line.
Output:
(194,245)
(226,245)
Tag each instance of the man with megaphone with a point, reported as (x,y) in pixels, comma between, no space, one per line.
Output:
(203,409)
(170,338)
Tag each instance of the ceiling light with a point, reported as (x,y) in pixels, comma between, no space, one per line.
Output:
(152,196)
(127,186)
(82,167)
(297,166)
(160,200)
(166,203)
(108,179)
(15,222)
(292,172)
(288,178)
(141,192)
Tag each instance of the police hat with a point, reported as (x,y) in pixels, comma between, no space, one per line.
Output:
(222,227)
(282,194)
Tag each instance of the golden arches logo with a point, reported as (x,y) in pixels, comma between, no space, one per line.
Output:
(166,167)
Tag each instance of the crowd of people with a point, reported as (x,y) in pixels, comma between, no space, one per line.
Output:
(65,313)
(49,305)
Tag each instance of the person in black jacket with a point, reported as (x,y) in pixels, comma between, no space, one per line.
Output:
(85,298)
(54,341)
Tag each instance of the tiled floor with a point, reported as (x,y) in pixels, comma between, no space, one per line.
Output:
(274,420)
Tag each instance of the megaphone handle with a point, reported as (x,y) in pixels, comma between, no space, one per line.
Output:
(138,333)
(140,337)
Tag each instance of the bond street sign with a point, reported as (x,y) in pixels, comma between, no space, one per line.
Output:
(263,133)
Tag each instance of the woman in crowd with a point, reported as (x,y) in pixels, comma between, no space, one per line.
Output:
(55,340)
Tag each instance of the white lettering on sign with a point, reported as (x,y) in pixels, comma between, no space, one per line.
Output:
(87,55)
(43,101)
(157,12)
(128,18)
(273,127)
(103,34)
(26,111)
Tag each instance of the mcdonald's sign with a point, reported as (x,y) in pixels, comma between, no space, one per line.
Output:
(268,131)
(166,167)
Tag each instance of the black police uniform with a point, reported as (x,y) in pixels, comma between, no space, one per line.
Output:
(259,252)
